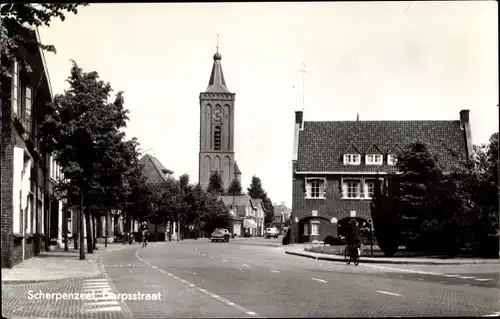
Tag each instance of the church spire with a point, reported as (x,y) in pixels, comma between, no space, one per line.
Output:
(217,83)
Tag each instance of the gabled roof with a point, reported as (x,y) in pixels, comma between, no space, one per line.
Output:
(217,83)
(395,149)
(242,200)
(236,169)
(351,149)
(257,203)
(322,144)
(373,150)
(154,170)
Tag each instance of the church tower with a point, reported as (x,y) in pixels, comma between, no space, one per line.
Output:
(217,129)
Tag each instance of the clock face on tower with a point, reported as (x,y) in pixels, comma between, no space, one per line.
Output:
(217,116)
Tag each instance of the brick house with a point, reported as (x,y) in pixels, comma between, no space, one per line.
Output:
(24,161)
(335,162)
(281,214)
(155,172)
(247,214)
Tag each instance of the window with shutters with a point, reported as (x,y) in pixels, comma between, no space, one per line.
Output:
(217,138)
(315,188)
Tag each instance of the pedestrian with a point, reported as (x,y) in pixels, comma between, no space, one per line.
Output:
(145,231)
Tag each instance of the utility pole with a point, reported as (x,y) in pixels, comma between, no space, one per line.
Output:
(82,229)
(303,71)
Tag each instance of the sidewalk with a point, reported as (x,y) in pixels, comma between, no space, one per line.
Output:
(58,264)
(298,250)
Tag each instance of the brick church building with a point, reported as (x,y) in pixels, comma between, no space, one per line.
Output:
(335,163)
(217,129)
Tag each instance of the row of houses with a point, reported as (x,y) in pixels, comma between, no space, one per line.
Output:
(335,163)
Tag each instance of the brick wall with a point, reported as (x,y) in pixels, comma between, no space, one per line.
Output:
(332,206)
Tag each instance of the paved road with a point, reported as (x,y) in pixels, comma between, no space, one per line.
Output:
(251,278)
(255,278)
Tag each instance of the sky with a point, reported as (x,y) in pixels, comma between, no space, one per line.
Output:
(381,60)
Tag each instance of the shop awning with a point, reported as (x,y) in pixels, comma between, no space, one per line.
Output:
(248,223)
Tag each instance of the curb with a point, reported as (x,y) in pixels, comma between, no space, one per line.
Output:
(401,262)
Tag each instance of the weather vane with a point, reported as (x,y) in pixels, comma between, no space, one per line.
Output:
(217,43)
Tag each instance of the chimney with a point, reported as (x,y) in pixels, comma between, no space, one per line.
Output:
(299,117)
(464,117)
(465,126)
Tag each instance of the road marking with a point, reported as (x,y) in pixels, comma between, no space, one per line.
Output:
(103,303)
(483,279)
(245,265)
(99,280)
(276,271)
(400,269)
(226,301)
(388,293)
(211,257)
(317,279)
(495,314)
(419,279)
(466,285)
(116,308)
(466,277)
(442,282)
(452,276)
(154,267)
(225,260)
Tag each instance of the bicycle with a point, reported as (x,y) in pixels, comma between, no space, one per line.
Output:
(349,257)
(144,239)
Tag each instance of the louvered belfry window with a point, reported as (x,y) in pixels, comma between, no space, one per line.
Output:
(217,138)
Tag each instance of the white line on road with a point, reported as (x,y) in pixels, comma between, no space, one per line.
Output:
(276,271)
(211,257)
(388,293)
(483,279)
(451,276)
(228,302)
(102,303)
(495,314)
(419,279)
(116,308)
(317,279)
(225,260)
(102,280)
(400,269)
(245,265)
(466,277)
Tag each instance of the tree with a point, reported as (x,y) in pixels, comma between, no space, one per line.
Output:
(255,190)
(420,177)
(385,214)
(15,30)
(215,185)
(235,188)
(83,129)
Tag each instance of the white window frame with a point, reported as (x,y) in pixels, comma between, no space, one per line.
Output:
(370,159)
(27,118)
(391,159)
(352,159)
(315,229)
(344,182)
(369,180)
(322,187)
(14,98)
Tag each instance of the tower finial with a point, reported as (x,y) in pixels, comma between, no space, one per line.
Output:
(217,43)
(217,55)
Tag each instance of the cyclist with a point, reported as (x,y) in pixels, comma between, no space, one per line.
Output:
(353,238)
(144,230)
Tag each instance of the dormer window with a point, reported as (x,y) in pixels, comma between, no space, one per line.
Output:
(352,159)
(391,159)
(373,159)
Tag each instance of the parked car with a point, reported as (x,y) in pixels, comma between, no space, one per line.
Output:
(272,232)
(220,234)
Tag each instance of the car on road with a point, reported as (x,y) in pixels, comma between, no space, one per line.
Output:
(272,232)
(220,234)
